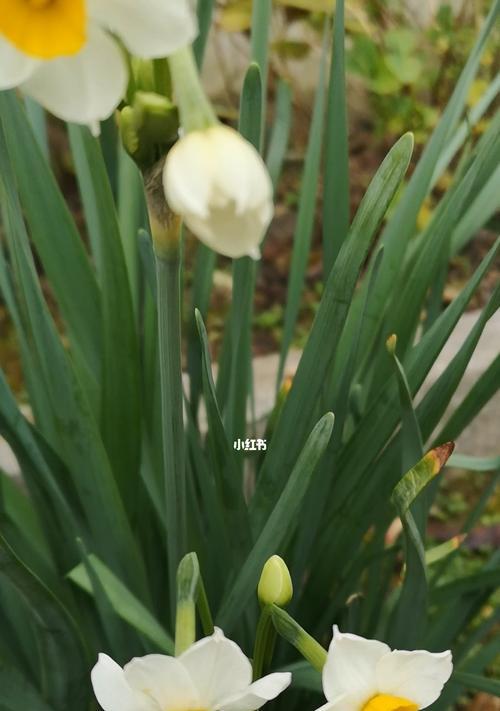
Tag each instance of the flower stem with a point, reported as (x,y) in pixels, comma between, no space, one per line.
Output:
(169,337)
(264,642)
(188,575)
(196,112)
(298,637)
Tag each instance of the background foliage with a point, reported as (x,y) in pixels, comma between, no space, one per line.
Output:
(83,555)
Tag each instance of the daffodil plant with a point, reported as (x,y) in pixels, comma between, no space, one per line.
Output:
(128,440)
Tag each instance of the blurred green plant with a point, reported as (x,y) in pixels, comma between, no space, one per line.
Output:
(83,550)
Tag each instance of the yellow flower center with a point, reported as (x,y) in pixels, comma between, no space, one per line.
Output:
(44,29)
(386,702)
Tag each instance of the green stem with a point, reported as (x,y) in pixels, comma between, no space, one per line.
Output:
(188,575)
(298,637)
(196,112)
(264,642)
(169,336)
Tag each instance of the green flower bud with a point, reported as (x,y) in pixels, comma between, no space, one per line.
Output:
(148,127)
(275,584)
(391,344)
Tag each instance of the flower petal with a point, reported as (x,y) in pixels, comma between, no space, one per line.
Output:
(83,88)
(350,666)
(239,171)
(165,680)
(418,676)
(229,233)
(344,702)
(15,67)
(256,695)
(156,28)
(112,690)
(187,175)
(218,668)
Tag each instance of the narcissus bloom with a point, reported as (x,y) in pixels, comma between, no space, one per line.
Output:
(62,54)
(212,674)
(219,184)
(365,675)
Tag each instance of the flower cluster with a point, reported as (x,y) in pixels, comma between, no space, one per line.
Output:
(214,675)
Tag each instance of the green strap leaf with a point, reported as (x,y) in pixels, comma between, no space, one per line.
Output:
(321,348)
(62,654)
(124,603)
(280,524)
(120,399)
(419,476)
(336,203)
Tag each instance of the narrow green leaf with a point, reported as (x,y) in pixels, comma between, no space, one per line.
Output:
(261,29)
(412,483)
(321,347)
(120,403)
(305,218)
(204,266)
(280,133)
(62,653)
(280,524)
(18,692)
(489,579)
(244,275)
(336,205)
(367,441)
(488,685)
(54,234)
(69,427)
(124,603)
(226,473)
(205,10)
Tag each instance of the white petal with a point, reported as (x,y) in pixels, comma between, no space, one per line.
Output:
(351,666)
(256,695)
(239,171)
(15,67)
(344,702)
(187,176)
(418,676)
(229,233)
(218,668)
(155,28)
(165,680)
(112,690)
(86,87)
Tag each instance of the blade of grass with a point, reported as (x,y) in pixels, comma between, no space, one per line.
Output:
(62,652)
(54,234)
(120,401)
(205,11)
(336,204)
(321,347)
(123,601)
(244,275)
(227,477)
(280,524)
(305,218)
(280,134)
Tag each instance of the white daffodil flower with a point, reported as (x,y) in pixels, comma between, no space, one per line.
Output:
(365,675)
(218,183)
(212,674)
(62,52)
